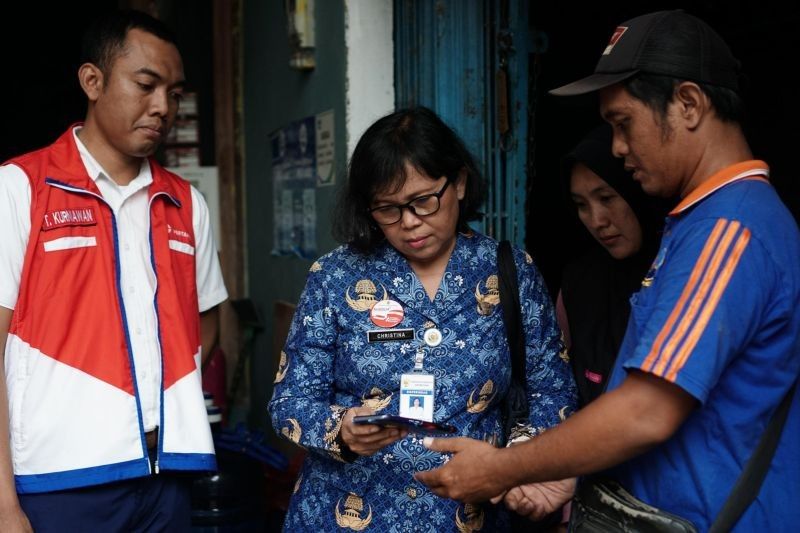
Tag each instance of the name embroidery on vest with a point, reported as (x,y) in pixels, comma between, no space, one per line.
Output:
(78,216)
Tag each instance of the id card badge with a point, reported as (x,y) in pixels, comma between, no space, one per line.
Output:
(416,396)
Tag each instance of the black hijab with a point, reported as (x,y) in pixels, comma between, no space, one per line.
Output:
(596,288)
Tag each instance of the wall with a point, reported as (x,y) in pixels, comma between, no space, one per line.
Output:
(274,95)
(354,77)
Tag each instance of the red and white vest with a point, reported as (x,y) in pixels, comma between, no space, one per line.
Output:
(75,415)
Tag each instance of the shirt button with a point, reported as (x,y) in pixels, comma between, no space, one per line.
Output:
(132,289)
(138,331)
(411,492)
(127,246)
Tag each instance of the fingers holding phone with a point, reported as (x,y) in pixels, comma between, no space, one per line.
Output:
(366,439)
(413,425)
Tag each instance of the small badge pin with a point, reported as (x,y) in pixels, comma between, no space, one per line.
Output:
(386,314)
(432,337)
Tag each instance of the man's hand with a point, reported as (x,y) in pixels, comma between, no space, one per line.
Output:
(537,500)
(11,516)
(13,520)
(470,476)
(368,438)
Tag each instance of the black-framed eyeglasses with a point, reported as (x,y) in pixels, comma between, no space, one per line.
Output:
(421,206)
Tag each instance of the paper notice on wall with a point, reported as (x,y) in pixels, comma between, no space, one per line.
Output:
(326,157)
(294,182)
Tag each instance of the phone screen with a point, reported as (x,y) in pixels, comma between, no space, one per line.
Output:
(415,426)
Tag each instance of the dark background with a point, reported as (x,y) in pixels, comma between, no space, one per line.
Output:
(764,36)
(40,53)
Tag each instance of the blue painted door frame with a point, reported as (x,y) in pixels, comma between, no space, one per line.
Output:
(468,61)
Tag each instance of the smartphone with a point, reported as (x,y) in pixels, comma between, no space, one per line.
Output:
(415,426)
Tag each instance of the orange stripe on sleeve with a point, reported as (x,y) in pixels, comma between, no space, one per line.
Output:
(711,305)
(687,290)
(697,299)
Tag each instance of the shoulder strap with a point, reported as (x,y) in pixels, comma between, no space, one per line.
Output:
(751,478)
(512,315)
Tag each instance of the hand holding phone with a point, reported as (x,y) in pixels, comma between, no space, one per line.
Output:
(366,440)
(414,426)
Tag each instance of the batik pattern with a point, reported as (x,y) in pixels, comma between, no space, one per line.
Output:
(330,366)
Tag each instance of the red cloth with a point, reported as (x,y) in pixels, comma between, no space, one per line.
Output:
(214,380)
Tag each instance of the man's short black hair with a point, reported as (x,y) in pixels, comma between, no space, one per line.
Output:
(657,91)
(106,35)
(415,136)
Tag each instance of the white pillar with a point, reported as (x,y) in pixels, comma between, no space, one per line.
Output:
(370,65)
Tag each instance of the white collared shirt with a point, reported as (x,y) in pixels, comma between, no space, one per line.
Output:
(130,205)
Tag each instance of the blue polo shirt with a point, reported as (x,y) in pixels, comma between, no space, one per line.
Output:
(719,315)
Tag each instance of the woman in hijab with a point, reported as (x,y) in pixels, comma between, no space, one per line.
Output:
(625,225)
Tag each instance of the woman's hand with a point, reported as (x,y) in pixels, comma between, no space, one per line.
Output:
(367,439)
(537,500)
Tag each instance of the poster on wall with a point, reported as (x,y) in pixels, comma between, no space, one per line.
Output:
(299,151)
(326,171)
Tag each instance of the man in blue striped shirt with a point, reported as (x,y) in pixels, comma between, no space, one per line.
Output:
(713,342)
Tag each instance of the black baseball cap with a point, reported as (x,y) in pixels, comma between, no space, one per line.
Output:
(669,43)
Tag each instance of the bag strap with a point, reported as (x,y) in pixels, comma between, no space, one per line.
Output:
(751,478)
(512,314)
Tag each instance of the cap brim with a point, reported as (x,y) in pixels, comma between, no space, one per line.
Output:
(592,83)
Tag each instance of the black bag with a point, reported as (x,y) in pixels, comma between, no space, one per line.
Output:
(602,505)
(515,405)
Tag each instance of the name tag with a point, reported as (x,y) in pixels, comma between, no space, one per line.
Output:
(79,216)
(390,335)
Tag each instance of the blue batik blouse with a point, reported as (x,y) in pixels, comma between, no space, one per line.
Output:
(328,365)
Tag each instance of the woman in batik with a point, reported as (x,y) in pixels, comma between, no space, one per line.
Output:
(413,286)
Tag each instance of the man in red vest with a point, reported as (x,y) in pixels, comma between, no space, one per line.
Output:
(108,276)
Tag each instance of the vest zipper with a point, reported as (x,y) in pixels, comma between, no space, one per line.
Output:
(63,186)
(158,317)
